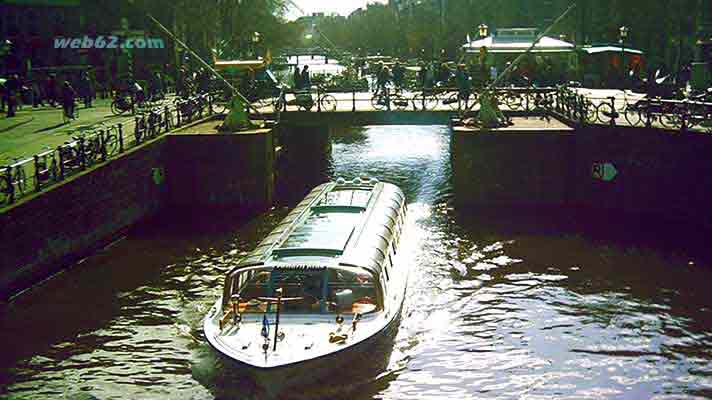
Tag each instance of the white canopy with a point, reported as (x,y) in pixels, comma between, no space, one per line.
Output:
(516,42)
(615,49)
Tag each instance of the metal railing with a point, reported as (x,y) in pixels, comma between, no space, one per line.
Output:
(96,144)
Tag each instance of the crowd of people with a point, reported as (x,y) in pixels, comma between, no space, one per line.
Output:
(64,89)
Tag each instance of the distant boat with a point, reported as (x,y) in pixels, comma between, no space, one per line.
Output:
(321,289)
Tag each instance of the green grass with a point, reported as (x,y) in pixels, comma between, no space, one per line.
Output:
(32,131)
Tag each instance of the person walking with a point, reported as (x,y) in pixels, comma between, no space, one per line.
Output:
(306,81)
(68,96)
(422,74)
(398,75)
(85,89)
(384,75)
(463,83)
(51,89)
(297,78)
(12,90)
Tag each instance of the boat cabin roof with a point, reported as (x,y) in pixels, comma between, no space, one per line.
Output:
(342,223)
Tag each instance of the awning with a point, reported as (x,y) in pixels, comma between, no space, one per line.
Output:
(613,49)
(239,65)
(506,45)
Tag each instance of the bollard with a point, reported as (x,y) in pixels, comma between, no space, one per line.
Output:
(318,99)
(388,100)
(353,100)
(648,115)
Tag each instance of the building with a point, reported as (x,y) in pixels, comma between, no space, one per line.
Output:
(33,26)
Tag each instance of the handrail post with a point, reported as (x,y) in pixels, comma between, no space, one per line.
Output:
(61,162)
(102,142)
(121,138)
(318,99)
(137,129)
(37,172)
(10,185)
(423,98)
(613,111)
(82,153)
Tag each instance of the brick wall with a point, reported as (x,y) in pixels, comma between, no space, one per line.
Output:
(47,231)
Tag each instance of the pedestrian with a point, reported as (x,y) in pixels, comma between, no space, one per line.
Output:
(493,73)
(444,74)
(12,90)
(297,78)
(306,81)
(50,89)
(463,83)
(421,74)
(68,96)
(384,76)
(85,89)
(398,75)
(37,99)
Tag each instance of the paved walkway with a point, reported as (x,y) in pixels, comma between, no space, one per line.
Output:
(34,130)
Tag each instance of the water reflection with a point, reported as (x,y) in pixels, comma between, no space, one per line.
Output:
(502,303)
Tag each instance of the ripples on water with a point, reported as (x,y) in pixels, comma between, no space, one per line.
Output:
(502,304)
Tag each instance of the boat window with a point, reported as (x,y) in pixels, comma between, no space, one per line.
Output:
(308,290)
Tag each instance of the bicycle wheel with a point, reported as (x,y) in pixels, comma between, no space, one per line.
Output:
(379,102)
(328,103)
(399,102)
(512,100)
(591,113)
(454,101)
(111,142)
(671,118)
(425,102)
(20,178)
(632,115)
(4,190)
(606,113)
(278,103)
(115,109)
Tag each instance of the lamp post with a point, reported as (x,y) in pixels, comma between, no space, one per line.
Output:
(624,34)
(483,30)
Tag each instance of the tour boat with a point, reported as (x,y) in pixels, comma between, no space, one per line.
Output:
(322,288)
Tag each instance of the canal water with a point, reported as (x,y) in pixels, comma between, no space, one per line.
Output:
(532,304)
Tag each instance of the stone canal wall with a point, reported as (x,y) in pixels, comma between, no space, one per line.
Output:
(44,232)
(55,228)
(221,170)
(634,170)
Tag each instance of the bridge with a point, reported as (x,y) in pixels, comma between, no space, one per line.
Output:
(313,51)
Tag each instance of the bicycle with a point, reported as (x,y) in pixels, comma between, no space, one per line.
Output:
(607,113)
(425,99)
(46,171)
(18,175)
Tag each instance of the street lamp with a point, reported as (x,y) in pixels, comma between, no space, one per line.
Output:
(624,34)
(483,30)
